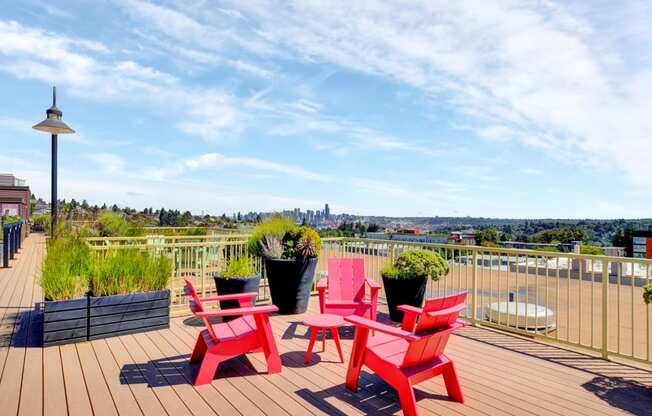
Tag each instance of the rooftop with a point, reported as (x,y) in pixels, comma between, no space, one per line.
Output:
(148,373)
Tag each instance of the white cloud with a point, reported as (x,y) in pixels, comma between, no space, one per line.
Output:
(74,63)
(547,75)
(108,162)
(218,161)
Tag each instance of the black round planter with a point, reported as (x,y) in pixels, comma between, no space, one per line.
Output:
(403,292)
(290,282)
(233,285)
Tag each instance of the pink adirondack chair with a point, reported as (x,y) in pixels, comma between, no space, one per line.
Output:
(251,332)
(346,289)
(412,354)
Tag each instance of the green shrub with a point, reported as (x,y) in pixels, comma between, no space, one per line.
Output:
(592,250)
(196,231)
(416,263)
(112,224)
(239,267)
(124,271)
(41,221)
(66,268)
(647,293)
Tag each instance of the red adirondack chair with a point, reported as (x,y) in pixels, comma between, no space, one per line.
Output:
(412,354)
(346,289)
(251,332)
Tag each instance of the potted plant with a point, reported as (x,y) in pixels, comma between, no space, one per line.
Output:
(290,256)
(92,296)
(405,279)
(239,275)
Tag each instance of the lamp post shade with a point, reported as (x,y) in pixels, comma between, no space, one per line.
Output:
(53,124)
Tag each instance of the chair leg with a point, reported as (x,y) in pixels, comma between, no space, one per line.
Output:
(199,351)
(323,340)
(408,401)
(357,358)
(452,383)
(313,336)
(336,338)
(268,344)
(207,369)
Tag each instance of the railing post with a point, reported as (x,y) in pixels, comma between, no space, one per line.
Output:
(474,303)
(12,242)
(605,308)
(5,247)
(203,269)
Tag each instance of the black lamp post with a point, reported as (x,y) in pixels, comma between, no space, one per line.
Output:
(53,124)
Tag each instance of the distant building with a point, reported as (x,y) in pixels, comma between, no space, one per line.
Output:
(412,238)
(14,197)
(463,237)
(327,212)
(640,244)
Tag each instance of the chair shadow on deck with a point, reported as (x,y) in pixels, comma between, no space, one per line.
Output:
(623,394)
(622,386)
(177,370)
(373,397)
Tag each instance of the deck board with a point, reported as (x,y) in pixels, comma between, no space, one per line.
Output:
(149,373)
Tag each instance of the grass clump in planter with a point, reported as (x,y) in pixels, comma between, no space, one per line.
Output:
(66,268)
(416,263)
(71,268)
(125,271)
(280,238)
(266,239)
(239,267)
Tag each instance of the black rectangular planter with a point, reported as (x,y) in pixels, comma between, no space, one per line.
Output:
(94,317)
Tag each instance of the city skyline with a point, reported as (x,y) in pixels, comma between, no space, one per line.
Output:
(257,107)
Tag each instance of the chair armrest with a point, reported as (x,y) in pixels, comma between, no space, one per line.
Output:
(235,296)
(377,326)
(254,310)
(372,284)
(447,311)
(410,315)
(322,283)
(409,309)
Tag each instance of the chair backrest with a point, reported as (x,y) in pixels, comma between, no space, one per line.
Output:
(449,303)
(346,280)
(435,324)
(196,305)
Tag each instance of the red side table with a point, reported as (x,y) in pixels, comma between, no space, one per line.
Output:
(323,322)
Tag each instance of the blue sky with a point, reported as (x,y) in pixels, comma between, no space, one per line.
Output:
(504,108)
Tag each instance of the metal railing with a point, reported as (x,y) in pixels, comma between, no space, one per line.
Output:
(560,297)
(12,238)
(197,258)
(153,239)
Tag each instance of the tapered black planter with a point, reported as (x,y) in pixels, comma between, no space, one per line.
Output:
(290,282)
(403,292)
(233,285)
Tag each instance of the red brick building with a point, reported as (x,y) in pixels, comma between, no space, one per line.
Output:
(14,197)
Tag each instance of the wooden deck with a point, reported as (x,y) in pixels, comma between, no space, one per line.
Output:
(149,374)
